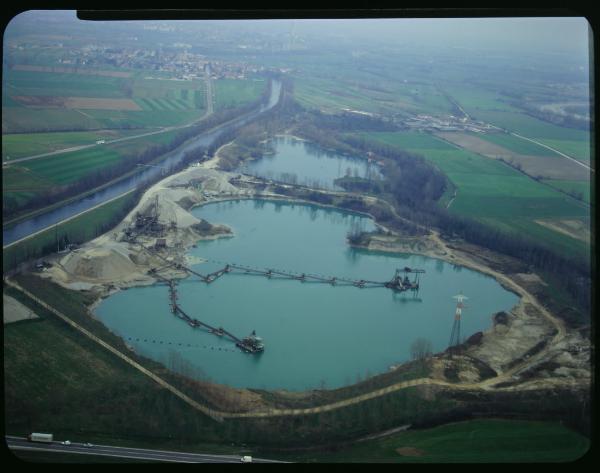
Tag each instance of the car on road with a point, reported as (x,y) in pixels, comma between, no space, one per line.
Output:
(87,444)
(246,459)
(66,442)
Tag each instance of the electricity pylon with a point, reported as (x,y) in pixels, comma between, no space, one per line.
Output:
(454,345)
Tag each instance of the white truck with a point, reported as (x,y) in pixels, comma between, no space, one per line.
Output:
(246,459)
(38,437)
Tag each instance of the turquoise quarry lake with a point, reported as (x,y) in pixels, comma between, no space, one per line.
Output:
(305,163)
(315,334)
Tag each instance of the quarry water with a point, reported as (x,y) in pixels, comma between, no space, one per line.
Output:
(307,164)
(315,335)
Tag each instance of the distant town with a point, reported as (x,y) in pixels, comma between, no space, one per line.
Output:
(174,59)
(448,123)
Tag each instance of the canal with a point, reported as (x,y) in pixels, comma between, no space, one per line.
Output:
(31,225)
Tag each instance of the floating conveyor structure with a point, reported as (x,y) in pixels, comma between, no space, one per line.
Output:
(250,344)
(397,283)
(400,282)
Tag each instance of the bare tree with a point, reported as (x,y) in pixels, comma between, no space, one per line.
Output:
(420,349)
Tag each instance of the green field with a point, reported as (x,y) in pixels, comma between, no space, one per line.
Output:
(311,94)
(473,98)
(324,94)
(476,441)
(515,144)
(531,127)
(23,181)
(577,149)
(566,140)
(17,178)
(494,193)
(67,366)
(383,96)
(65,168)
(29,144)
(577,187)
(168,95)
(17,83)
(236,92)
(410,141)
(68,167)
(162,102)
(20,119)
(25,120)
(144,118)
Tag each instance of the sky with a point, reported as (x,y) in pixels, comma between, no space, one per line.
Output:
(561,35)
(564,35)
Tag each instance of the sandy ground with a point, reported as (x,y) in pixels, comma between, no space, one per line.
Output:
(571,228)
(528,324)
(109,262)
(13,310)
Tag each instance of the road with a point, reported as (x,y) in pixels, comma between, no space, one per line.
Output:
(555,150)
(19,443)
(77,148)
(209,111)
(454,102)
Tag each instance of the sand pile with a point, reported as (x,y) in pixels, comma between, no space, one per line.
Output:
(173,212)
(211,180)
(106,264)
(218,184)
(110,260)
(525,329)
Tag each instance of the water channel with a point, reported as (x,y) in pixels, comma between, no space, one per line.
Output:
(315,334)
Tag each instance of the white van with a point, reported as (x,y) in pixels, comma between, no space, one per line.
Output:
(246,459)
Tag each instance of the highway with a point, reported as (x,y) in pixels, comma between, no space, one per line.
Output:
(19,443)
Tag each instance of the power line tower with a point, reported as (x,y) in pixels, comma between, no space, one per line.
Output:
(155,210)
(454,345)
(369,171)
